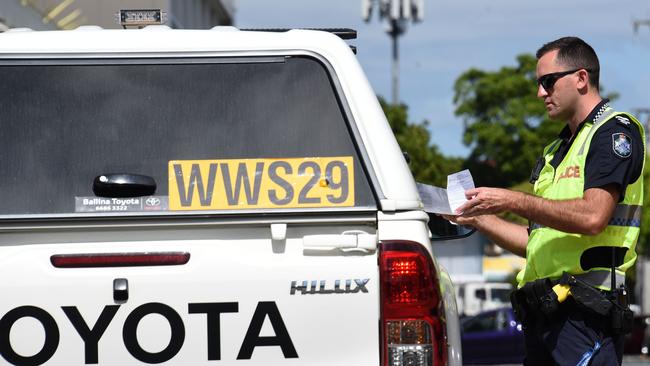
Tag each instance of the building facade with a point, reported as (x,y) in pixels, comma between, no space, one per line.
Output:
(70,14)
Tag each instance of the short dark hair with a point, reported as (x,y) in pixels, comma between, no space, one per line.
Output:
(576,54)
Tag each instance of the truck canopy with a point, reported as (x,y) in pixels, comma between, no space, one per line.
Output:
(218,135)
(380,173)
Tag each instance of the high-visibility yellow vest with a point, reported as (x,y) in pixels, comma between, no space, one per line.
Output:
(551,252)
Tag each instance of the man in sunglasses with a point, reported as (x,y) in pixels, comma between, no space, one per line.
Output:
(584,217)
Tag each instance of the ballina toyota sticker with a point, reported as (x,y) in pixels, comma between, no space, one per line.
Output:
(112,204)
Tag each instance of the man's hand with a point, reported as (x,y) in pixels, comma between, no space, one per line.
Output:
(486,201)
(460,220)
(512,237)
(587,215)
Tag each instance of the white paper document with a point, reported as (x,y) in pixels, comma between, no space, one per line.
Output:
(457,184)
(446,201)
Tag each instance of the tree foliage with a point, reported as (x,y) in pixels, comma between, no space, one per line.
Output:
(505,123)
(427,164)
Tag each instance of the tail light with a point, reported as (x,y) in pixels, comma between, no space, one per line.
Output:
(119,259)
(411,315)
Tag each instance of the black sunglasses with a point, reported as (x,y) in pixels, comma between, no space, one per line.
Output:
(547,81)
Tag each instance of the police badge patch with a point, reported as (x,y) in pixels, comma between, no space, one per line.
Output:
(622,145)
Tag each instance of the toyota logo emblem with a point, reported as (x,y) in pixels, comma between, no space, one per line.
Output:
(153,201)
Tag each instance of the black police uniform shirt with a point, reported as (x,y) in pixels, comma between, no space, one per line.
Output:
(606,164)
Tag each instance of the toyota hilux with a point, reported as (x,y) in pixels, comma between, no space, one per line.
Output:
(207,197)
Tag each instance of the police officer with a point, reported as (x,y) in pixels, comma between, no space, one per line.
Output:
(584,217)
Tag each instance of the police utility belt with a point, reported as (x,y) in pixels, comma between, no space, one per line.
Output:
(540,300)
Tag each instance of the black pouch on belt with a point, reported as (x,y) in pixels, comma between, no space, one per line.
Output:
(518,301)
(534,300)
(622,316)
(622,320)
(546,298)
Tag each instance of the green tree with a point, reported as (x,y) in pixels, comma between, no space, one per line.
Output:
(505,124)
(427,164)
(644,236)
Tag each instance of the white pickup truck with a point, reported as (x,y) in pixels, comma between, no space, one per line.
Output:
(208,197)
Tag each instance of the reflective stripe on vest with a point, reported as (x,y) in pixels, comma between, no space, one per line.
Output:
(624,215)
(602,278)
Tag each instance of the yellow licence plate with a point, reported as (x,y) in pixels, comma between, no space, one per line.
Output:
(228,184)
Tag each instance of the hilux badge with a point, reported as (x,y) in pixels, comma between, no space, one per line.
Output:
(327,287)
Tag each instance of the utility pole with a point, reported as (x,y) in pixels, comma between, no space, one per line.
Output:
(638,23)
(397,13)
(640,112)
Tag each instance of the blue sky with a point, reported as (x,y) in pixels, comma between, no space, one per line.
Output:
(487,34)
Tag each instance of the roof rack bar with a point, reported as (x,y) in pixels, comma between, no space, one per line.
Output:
(343,33)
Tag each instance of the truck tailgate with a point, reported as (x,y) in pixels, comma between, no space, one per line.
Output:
(241,298)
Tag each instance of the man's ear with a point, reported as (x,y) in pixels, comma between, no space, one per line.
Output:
(583,79)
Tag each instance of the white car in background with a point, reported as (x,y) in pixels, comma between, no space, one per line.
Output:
(475,297)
